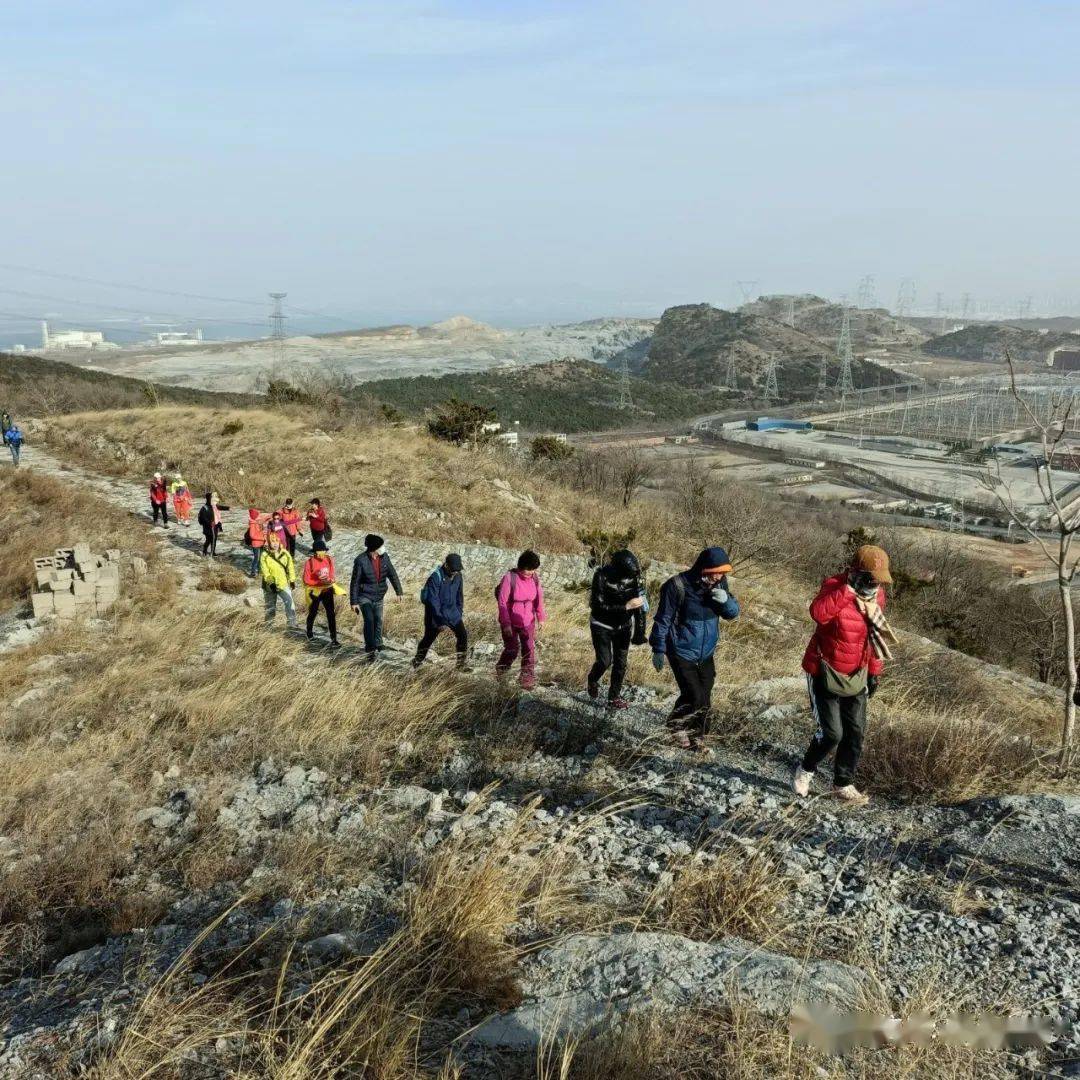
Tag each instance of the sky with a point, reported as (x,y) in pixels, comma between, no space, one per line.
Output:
(526,162)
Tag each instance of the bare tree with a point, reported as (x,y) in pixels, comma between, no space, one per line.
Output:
(631,468)
(1058,551)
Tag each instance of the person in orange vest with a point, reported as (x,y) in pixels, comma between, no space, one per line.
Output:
(255,538)
(320,583)
(293,525)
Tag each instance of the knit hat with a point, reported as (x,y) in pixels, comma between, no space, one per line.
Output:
(874,561)
(453,563)
(713,560)
(528,560)
(319,545)
(253,514)
(372,542)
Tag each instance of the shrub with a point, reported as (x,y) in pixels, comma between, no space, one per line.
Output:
(461,422)
(600,542)
(231,427)
(548,448)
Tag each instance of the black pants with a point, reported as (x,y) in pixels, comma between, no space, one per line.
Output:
(612,648)
(326,598)
(841,726)
(315,535)
(290,542)
(695,680)
(371,611)
(431,632)
(162,509)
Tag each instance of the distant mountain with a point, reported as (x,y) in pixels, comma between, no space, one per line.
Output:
(693,343)
(988,342)
(565,395)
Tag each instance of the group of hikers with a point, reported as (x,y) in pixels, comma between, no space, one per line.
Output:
(12,436)
(843,660)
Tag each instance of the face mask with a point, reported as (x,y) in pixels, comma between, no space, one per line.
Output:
(381,551)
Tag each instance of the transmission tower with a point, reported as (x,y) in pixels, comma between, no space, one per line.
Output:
(731,378)
(626,401)
(823,374)
(939,311)
(772,390)
(845,384)
(747,289)
(965,306)
(277,326)
(905,298)
(866,293)
(791,312)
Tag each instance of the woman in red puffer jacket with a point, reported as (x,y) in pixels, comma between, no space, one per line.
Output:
(842,641)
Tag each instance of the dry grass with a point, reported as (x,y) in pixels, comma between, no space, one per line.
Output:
(429,489)
(221,577)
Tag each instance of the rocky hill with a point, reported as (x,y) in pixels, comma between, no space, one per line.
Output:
(565,395)
(822,319)
(988,342)
(692,344)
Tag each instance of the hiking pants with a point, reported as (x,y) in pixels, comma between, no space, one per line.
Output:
(162,509)
(612,648)
(371,612)
(432,631)
(256,558)
(16,450)
(209,546)
(841,726)
(270,598)
(290,543)
(315,535)
(519,640)
(695,680)
(326,598)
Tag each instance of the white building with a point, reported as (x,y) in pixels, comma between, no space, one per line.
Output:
(72,339)
(178,337)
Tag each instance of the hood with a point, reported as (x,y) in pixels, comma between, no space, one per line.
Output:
(712,558)
(253,514)
(624,564)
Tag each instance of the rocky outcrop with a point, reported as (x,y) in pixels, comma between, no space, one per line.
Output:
(586,981)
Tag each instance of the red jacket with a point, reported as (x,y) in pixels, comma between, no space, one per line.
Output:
(319,571)
(842,637)
(159,493)
(316,520)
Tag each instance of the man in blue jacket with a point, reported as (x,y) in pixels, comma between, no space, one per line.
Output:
(686,629)
(444,608)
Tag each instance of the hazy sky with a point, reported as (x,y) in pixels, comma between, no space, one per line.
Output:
(523,161)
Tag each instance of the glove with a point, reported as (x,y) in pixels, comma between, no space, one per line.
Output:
(871,685)
(719,594)
(658,661)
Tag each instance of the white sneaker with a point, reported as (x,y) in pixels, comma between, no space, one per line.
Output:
(850,793)
(801,784)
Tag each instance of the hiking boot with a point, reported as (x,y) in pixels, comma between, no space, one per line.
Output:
(618,703)
(800,783)
(681,739)
(416,662)
(464,666)
(593,689)
(851,794)
(528,681)
(335,644)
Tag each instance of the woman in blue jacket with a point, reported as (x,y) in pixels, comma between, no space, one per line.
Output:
(685,632)
(444,608)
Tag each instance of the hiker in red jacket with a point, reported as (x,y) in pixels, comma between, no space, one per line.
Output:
(316,519)
(159,499)
(842,663)
(255,538)
(292,519)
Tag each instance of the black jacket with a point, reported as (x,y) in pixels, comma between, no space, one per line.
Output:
(206,517)
(363,585)
(613,586)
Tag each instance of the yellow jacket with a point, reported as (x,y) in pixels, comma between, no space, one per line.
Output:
(277,569)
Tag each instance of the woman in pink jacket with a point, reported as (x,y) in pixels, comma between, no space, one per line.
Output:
(521,611)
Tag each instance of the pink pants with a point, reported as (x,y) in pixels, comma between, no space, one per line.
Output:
(519,639)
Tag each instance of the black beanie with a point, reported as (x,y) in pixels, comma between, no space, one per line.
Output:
(528,560)
(453,563)
(319,545)
(372,542)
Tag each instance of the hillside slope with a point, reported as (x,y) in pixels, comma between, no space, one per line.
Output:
(36,386)
(822,319)
(693,343)
(988,342)
(566,395)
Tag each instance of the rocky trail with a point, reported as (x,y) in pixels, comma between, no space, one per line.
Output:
(982,898)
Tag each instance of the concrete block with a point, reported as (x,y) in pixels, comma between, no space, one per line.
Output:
(45,563)
(90,574)
(64,556)
(63,603)
(81,553)
(109,572)
(112,555)
(82,588)
(44,578)
(106,596)
(43,604)
(139,567)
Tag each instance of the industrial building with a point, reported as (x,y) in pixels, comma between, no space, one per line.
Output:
(178,337)
(58,340)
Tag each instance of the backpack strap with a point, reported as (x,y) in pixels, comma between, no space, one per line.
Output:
(680,588)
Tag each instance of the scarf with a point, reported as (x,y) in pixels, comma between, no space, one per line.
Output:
(881,633)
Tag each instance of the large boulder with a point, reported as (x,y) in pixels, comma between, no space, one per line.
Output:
(586,980)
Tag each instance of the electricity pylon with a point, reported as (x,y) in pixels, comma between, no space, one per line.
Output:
(731,378)
(845,384)
(626,401)
(772,389)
